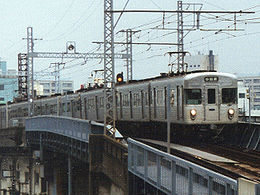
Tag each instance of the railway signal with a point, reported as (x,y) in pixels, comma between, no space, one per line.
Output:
(120,78)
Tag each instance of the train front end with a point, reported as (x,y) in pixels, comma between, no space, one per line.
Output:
(210,98)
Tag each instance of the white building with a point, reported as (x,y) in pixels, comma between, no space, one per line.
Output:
(249,92)
(201,62)
(48,87)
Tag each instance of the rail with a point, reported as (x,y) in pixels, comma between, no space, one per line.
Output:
(173,175)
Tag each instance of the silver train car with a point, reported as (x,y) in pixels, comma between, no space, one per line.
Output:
(202,98)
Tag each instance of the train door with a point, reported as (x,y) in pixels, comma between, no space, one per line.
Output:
(131,105)
(165,102)
(211,104)
(179,102)
(154,103)
(85,108)
(96,107)
(120,106)
(142,103)
(80,107)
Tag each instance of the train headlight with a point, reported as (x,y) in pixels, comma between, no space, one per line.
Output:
(193,113)
(231,113)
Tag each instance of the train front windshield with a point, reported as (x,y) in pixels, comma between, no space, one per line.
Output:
(193,96)
(229,95)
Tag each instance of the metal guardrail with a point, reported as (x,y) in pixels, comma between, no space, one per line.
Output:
(71,127)
(173,175)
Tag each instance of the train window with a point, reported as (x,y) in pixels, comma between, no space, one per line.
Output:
(63,107)
(256,80)
(68,107)
(242,95)
(51,109)
(172,97)
(91,103)
(151,97)
(136,99)
(138,102)
(78,105)
(101,102)
(146,97)
(159,97)
(193,96)
(211,96)
(125,100)
(55,108)
(229,95)
(256,99)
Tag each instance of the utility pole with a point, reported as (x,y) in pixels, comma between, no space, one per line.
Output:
(57,75)
(129,52)
(196,25)
(109,70)
(30,73)
(30,86)
(129,49)
(180,60)
(22,75)
(23,65)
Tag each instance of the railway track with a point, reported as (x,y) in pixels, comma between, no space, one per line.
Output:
(248,161)
(241,163)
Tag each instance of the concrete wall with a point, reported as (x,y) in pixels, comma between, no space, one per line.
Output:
(108,166)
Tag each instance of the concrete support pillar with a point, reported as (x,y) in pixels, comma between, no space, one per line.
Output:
(69,176)
(54,190)
(1,173)
(30,175)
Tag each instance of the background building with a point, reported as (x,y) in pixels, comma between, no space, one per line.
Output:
(47,87)
(8,88)
(251,84)
(8,83)
(2,67)
(202,62)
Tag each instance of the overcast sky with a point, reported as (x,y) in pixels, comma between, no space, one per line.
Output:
(59,21)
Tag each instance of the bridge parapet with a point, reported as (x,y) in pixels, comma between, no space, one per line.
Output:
(70,127)
(173,175)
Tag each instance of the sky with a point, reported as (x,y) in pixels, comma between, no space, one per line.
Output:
(57,22)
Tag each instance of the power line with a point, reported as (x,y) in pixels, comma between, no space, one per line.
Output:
(78,22)
(61,18)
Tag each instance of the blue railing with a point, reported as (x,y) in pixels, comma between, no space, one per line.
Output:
(173,175)
(71,127)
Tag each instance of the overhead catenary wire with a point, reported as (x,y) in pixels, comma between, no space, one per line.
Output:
(76,24)
(159,36)
(61,18)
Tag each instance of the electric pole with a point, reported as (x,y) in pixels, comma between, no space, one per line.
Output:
(180,60)
(180,30)
(25,62)
(109,70)
(29,69)
(30,86)
(57,75)
(129,52)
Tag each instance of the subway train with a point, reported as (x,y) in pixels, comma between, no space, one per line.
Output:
(200,98)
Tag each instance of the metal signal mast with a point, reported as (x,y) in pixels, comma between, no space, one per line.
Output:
(25,64)
(30,87)
(180,62)
(109,69)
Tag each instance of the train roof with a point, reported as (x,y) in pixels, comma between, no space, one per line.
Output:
(191,76)
(186,76)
